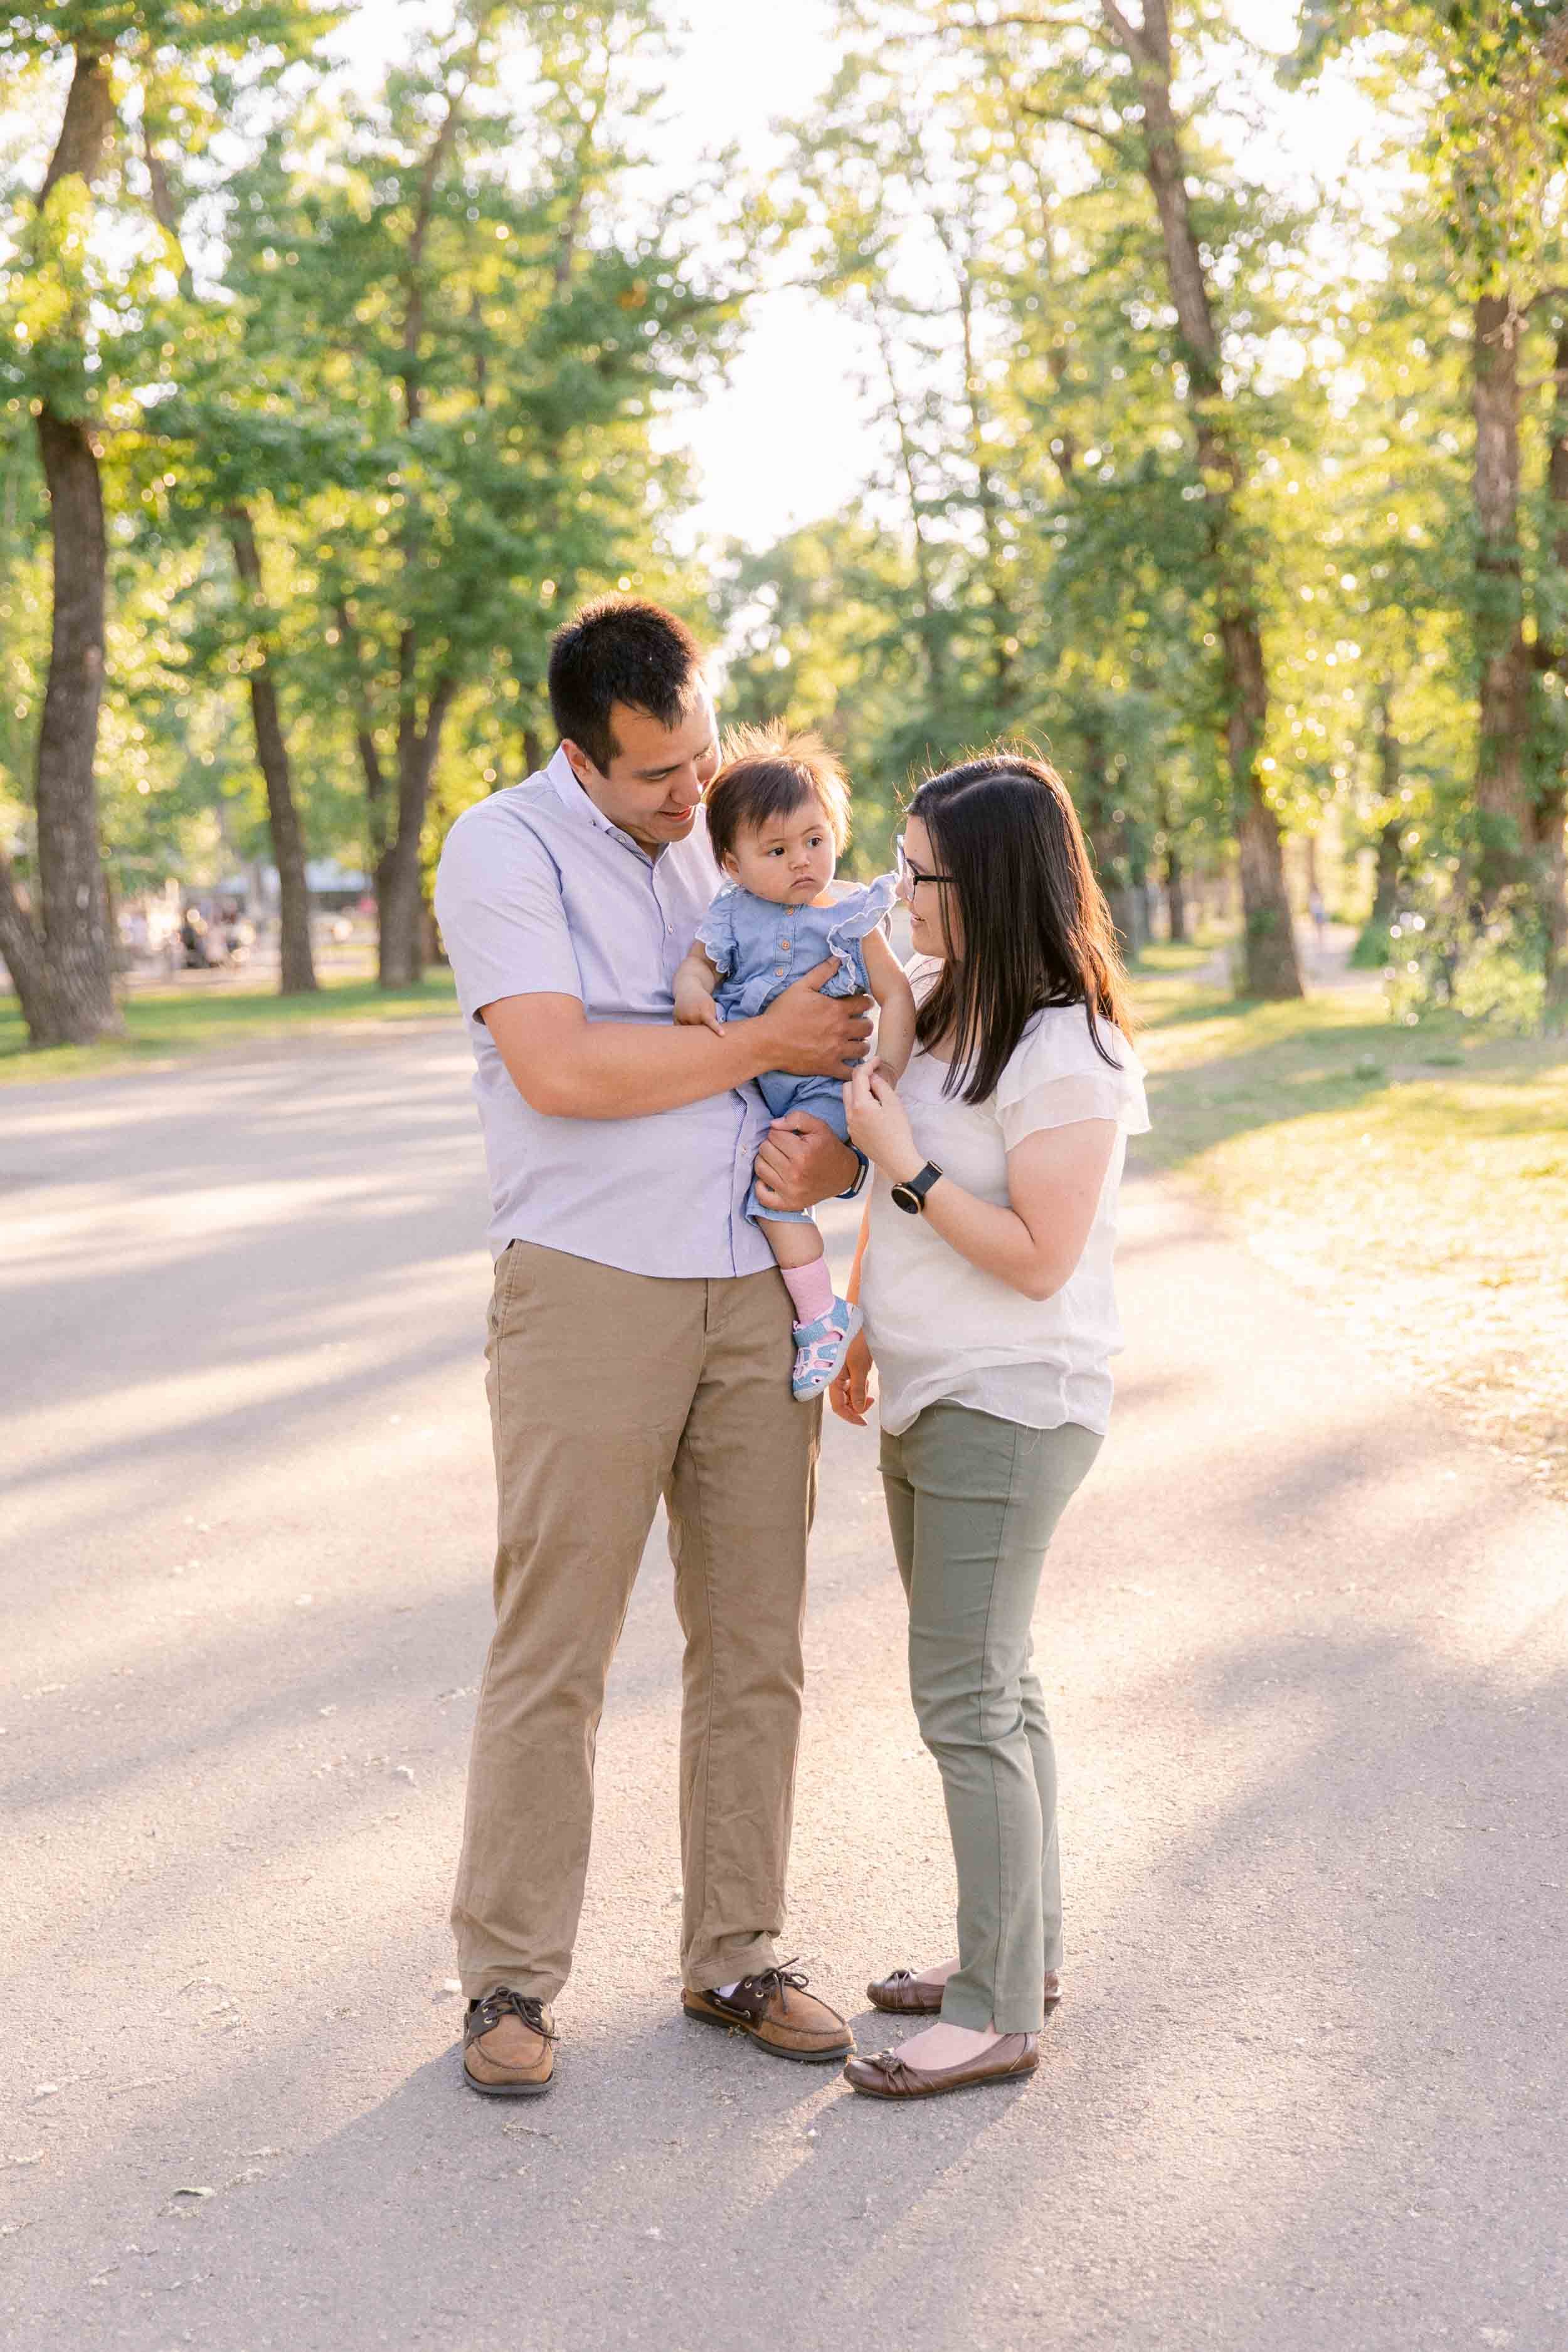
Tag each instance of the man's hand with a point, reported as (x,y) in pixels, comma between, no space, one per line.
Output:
(812,1035)
(802,1161)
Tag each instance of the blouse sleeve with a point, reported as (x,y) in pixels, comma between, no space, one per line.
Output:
(923,973)
(716,932)
(1057,1079)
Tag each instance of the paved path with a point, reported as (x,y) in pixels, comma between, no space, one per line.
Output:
(1307,2087)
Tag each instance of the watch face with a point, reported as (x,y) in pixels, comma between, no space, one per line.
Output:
(909,1201)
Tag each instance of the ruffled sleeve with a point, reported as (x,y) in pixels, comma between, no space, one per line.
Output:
(716,931)
(861,912)
(1057,1078)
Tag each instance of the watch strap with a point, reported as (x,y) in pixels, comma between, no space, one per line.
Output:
(920,1185)
(853,1192)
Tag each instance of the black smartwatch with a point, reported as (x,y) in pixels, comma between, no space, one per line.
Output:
(911,1197)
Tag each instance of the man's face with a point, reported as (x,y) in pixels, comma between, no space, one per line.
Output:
(657,775)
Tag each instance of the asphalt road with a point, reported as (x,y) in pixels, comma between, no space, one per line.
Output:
(1307,2087)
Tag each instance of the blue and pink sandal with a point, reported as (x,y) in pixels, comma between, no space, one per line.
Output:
(821,1347)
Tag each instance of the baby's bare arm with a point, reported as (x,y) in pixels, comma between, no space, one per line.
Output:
(895,1001)
(695,984)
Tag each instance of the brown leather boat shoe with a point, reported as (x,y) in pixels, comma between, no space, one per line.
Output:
(508,2045)
(776,2009)
(904,1994)
(887,2076)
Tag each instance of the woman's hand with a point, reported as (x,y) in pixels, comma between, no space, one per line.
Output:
(851,1393)
(879,1125)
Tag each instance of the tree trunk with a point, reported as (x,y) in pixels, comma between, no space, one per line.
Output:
(72,902)
(1269,966)
(1506,665)
(296,965)
(1551,848)
(398,894)
(1385,878)
(65,977)
(23,951)
(1175,896)
(399,955)
(296,971)
(929,626)
(1390,852)
(1097,807)
(1269,939)
(1552,890)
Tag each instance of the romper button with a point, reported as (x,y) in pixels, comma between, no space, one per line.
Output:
(779,970)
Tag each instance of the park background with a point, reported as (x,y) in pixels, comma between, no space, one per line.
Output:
(1180,392)
(1185,396)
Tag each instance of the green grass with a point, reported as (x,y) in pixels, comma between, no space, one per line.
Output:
(1414,1179)
(163,1025)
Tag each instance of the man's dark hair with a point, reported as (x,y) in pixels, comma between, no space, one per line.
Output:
(617,650)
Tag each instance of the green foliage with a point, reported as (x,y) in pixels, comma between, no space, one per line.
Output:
(1496,132)
(422,331)
(419,332)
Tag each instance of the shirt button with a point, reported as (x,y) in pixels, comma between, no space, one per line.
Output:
(783,947)
(779,970)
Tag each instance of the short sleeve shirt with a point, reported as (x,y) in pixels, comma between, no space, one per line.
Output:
(938,1327)
(538,894)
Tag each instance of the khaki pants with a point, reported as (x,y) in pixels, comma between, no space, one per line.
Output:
(973,1502)
(606,1390)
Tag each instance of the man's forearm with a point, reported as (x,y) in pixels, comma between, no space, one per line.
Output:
(615,1069)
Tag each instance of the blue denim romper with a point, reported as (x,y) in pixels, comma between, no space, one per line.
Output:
(758,950)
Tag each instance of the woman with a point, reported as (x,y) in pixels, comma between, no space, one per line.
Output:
(985,1274)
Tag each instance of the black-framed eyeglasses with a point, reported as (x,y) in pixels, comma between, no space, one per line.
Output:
(912,876)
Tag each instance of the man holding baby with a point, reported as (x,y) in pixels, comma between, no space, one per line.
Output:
(640,1342)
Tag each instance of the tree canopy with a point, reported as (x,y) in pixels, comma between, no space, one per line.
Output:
(323,395)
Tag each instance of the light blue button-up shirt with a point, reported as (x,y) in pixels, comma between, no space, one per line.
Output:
(538,894)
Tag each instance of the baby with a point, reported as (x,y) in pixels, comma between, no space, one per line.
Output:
(778,817)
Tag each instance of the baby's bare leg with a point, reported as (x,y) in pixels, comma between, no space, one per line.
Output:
(792,1244)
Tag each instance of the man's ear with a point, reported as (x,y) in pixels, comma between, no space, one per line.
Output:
(582,767)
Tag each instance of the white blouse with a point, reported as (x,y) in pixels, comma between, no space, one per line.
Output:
(938,1327)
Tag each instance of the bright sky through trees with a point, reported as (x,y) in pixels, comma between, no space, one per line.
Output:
(786,440)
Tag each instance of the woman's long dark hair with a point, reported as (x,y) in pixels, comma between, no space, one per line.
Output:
(1031,919)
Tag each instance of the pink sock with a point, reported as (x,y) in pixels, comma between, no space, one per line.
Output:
(810,1287)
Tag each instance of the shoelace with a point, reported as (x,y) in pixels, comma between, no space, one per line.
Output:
(785,1980)
(502,2002)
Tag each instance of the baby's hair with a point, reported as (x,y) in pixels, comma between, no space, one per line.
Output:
(769,772)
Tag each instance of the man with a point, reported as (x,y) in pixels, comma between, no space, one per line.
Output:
(640,1344)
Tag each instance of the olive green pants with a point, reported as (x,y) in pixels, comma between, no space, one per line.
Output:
(973,1501)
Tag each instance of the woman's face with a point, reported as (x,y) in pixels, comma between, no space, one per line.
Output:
(933,918)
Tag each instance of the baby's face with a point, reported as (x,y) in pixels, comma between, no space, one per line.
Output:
(789,859)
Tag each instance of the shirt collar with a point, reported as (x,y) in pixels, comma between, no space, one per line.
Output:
(578,804)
